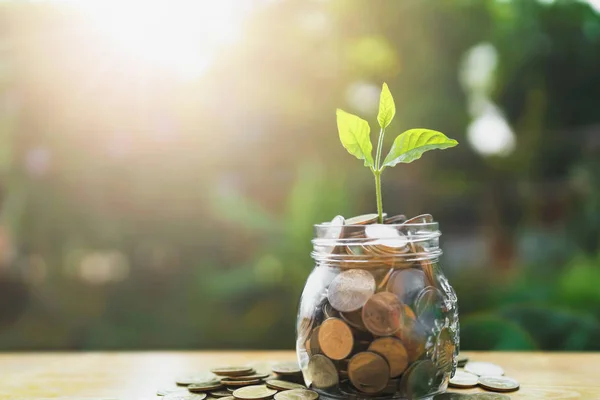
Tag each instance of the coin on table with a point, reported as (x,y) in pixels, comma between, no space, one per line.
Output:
(420,379)
(461,360)
(185,380)
(220,393)
(230,397)
(254,392)
(278,384)
(238,383)
(489,396)
(321,372)
(498,383)
(335,339)
(169,390)
(463,380)
(383,314)
(351,289)
(185,396)
(205,386)
(452,396)
(232,371)
(247,377)
(394,353)
(297,394)
(365,219)
(287,368)
(480,368)
(369,372)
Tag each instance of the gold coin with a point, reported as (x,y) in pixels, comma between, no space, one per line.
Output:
(247,377)
(463,380)
(394,353)
(312,344)
(185,380)
(205,386)
(321,372)
(368,372)
(383,314)
(232,371)
(286,368)
(283,385)
(238,383)
(362,219)
(498,383)
(220,393)
(297,394)
(350,290)
(335,339)
(230,397)
(253,392)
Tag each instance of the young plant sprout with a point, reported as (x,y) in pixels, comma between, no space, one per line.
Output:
(408,146)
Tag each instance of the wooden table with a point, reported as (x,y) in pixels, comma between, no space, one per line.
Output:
(138,375)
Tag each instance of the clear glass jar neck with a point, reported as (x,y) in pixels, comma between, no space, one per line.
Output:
(375,245)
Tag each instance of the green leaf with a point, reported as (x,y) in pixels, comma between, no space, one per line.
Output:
(411,145)
(354,135)
(387,108)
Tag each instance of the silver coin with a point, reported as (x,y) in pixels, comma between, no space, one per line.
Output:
(351,289)
(462,379)
(498,383)
(480,368)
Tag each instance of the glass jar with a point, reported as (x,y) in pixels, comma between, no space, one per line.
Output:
(377,316)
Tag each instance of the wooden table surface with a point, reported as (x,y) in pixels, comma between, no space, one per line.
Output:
(132,375)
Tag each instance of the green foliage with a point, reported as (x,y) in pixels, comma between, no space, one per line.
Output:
(354,135)
(387,108)
(411,145)
(490,332)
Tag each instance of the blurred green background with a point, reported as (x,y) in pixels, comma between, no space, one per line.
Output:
(162,163)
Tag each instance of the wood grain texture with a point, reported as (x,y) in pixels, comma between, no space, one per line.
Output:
(139,375)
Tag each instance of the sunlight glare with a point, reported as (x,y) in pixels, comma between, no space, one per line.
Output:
(181,36)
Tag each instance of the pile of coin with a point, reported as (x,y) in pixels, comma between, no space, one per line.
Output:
(377,316)
(483,374)
(241,383)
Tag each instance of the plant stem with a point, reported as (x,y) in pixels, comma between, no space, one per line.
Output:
(378,194)
(377,172)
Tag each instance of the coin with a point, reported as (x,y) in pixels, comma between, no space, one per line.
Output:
(480,368)
(321,372)
(462,379)
(452,396)
(254,392)
(444,351)
(286,368)
(297,394)
(232,371)
(185,380)
(428,305)
(396,219)
(420,219)
(238,383)
(383,314)
(489,396)
(412,334)
(335,339)
(205,386)
(247,377)
(498,383)
(461,360)
(354,319)
(220,393)
(230,397)
(283,385)
(332,233)
(350,290)
(387,239)
(421,379)
(362,219)
(369,372)
(166,391)
(394,353)
(406,284)
(329,311)
(185,396)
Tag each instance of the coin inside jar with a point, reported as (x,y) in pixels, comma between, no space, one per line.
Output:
(350,290)
(444,351)
(321,372)
(368,372)
(421,379)
(394,353)
(383,314)
(406,284)
(335,339)
(428,306)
